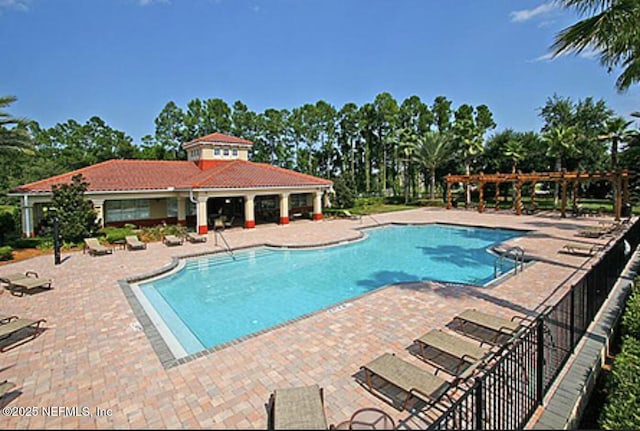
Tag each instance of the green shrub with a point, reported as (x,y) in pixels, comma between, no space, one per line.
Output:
(45,244)
(431,203)
(631,317)
(6,253)
(76,214)
(21,243)
(369,201)
(8,226)
(174,229)
(155,233)
(394,200)
(622,407)
(113,234)
(345,197)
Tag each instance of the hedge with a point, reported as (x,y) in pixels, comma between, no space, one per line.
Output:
(6,253)
(622,406)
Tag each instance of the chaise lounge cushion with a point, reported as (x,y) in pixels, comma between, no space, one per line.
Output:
(449,352)
(411,379)
(300,408)
(20,283)
(133,243)
(486,327)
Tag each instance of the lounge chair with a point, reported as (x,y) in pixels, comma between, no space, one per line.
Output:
(19,283)
(351,216)
(133,243)
(15,325)
(448,352)
(171,240)
(193,237)
(582,249)
(95,248)
(592,232)
(602,229)
(5,387)
(219,223)
(486,327)
(413,380)
(300,408)
(229,223)
(6,319)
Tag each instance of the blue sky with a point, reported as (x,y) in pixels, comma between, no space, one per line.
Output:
(123,60)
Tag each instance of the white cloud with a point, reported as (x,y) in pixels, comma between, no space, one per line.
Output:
(21,5)
(148,2)
(545,57)
(527,14)
(587,54)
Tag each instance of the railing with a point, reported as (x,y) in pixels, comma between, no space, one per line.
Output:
(516,253)
(226,247)
(507,392)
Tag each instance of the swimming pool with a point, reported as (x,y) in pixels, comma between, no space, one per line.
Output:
(218,298)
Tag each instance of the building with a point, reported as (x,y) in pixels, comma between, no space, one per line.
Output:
(217,182)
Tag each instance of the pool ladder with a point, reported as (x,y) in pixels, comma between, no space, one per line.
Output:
(226,247)
(516,253)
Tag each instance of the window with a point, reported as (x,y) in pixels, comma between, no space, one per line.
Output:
(191,208)
(234,152)
(216,151)
(298,200)
(172,207)
(127,210)
(226,151)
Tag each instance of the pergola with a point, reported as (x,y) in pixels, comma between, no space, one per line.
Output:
(619,179)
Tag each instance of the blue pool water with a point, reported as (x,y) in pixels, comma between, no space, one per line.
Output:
(216,299)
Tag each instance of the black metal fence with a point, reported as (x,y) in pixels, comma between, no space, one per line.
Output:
(507,393)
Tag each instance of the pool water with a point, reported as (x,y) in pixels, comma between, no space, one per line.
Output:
(218,298)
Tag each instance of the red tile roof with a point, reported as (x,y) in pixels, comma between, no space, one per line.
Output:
(125,175)
(122,175)
(244,174)
(220,137)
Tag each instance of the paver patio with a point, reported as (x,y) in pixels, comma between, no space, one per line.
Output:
(94,354)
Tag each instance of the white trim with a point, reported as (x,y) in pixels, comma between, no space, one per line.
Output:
(177,190)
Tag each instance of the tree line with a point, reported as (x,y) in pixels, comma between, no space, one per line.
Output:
(383,147)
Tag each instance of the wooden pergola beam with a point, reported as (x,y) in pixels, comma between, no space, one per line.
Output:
(619,180)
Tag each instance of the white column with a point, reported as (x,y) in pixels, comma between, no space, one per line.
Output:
(98,207)
(27,217)
(317,205)
(249,213)
(201,214)
(284,208)
(182,211)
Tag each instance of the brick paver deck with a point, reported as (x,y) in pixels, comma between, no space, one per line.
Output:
(93,353)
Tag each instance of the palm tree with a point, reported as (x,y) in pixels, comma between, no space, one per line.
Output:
(560,142)
(408,140)
(13,134)
(617,132)
(470,139)
(612,30)
(432,150)
(515,151)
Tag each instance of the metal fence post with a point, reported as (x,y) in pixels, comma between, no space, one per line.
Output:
(479,402)
(572,318)
(540,360)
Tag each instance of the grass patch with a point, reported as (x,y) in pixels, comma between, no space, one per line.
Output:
(6,253)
